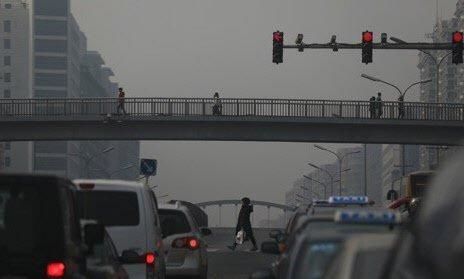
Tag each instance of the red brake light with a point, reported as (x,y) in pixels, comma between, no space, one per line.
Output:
(55,269)
(150,258)
(87,185)
(193,243)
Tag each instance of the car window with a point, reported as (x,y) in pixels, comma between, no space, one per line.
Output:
(369,264)
(110,208)
(30,218)
(173,222)
(313,259)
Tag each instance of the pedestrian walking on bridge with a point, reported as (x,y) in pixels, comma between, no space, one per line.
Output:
(401,107)
(372,107)
(244,224)
(121,100)
(217,107)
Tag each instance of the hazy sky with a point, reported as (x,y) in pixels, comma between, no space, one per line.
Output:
(182,48)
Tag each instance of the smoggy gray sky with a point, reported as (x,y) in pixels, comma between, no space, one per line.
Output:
(182,48)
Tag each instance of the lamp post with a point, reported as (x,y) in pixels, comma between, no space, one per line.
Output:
(323,184)
(402,94)
(437,61)
(89,158)
(328,173)
(340,161)
(312,192)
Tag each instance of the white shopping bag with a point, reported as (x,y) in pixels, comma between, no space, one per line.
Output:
(240,237)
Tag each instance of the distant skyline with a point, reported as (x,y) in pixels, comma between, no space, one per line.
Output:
(175,48)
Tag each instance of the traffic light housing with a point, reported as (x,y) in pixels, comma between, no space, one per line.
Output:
(457,47)
(277,47)
(367,38)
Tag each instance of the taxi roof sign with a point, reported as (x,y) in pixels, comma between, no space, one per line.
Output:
(368,217)
(349,200)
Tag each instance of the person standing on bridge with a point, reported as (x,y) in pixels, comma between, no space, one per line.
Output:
(401,107)
(372,106)
(217,107)
(379,105)
(121,100)
(244,224)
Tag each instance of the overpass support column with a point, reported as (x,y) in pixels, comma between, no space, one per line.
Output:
(285,218)
(268,217)
(220,216)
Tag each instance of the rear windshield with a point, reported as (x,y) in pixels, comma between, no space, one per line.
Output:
(173,222)
(346,228)
(30,219)
(111,208)
(314,258)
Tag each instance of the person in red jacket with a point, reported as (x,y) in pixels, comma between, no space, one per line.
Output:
(121,100)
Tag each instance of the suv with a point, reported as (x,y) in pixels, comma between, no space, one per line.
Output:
(40,233)
(183,242)
(128,210)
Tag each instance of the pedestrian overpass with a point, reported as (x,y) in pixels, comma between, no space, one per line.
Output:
(273,120)
(236,203)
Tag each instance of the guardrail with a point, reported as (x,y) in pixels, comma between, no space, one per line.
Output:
(229,107)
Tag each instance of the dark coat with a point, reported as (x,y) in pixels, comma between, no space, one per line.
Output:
(244,220)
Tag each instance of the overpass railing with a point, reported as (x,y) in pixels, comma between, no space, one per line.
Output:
(230,107)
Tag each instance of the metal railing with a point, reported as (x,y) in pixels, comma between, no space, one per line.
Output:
(229,107)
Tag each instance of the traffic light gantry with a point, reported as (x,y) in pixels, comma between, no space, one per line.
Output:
(367,45)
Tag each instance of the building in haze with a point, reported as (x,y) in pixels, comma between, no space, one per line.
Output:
(15,71)
(393,167)
(374,172)
(451,79)
(44,55)
(353,178)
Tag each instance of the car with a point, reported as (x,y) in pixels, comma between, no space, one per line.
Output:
(128,210)
(102,260)
(361,256)
(183,241)
(40,234)
(342,221)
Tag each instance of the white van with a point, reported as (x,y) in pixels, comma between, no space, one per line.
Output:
(129,211)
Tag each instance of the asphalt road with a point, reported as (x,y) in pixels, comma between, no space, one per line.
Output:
(224,263)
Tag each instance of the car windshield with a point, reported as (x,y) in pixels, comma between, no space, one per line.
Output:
(110,208)
(30,219)
(369,264)
(345,228)
(173,222)
(313,258)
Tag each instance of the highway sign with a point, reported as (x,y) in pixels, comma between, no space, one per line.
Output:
(148,167)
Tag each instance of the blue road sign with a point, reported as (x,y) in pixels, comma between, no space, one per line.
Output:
(148,167)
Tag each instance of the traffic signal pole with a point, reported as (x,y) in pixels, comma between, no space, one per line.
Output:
(412,46)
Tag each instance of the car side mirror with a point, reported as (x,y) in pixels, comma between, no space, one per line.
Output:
(205,231)
(93,235)
(274,233)
(392,195)
(270,247)
(262,274)
(129,257)
(282,238)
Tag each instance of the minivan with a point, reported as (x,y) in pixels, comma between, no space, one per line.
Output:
(129,212)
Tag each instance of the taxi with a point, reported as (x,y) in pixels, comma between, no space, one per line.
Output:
(361,256)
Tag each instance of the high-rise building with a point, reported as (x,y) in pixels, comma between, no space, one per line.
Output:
(15,71)
(352,171)
(44,55)
(450,87)
(374,172)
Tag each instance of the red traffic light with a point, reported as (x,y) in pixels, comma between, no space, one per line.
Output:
(457,37)
(368,36)
(278,36)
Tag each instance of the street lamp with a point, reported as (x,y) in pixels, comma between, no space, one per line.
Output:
(435,60)
(310,191)
(323,184)
(402,94)
(340,160)
(329,174)
(89,158)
